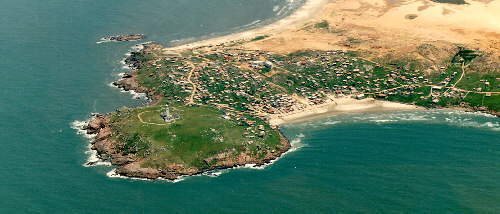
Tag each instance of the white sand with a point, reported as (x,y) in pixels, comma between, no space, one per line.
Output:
(338,106)
(297,18)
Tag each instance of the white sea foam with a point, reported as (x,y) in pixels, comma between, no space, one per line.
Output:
(276,8)
(102,40)
(126,67)
(295,143)
(332,122)
(135,95)
(291,5)
(112,85)
(282,11)
(383,121)
(450,117)
(92,156)
(113,174)
(252,23)
(215,173)
(79,126)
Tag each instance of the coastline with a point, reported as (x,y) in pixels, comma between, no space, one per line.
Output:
(102,147)
(130,167)
(299,17)
(103,152)
(97,129)
(340,105)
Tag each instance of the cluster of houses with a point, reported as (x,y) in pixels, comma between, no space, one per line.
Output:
(241,81)
(317,73)
(223,78)
(227,84)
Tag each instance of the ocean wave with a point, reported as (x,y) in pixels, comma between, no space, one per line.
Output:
(79,126)
(102,40)
(135,95)
(468,122)
(449,117)
(92,156)
(251,23)
(332,122)
(276,8)
(383,121)
(289,6)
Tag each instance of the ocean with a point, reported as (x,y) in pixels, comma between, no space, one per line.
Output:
(53,73)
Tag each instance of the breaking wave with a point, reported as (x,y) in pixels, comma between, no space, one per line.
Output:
(92,156)
(449,117)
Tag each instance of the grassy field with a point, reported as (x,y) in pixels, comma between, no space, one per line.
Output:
(492,102)
(474,80)
(200,133)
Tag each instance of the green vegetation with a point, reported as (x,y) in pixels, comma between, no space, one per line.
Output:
(261,37)
(419,96)
(352,40)
(322,25)
(223,96)
(477,100)
(464,55)
(447,76)
(450,1)
(486,81)
(200,133)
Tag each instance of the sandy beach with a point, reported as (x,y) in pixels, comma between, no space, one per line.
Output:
(295,20)
(340,105)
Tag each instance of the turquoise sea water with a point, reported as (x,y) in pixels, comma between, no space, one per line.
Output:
(53,73)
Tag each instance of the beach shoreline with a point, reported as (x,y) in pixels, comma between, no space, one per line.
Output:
(299,17)
(339,105)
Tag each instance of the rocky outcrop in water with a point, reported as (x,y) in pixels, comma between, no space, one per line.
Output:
(124,38)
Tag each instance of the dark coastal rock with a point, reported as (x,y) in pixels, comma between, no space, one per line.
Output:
(95,124)
(124,38)
(104,147)
(127,75)
(130,165)
(103,134)
(129,83)
(118,159)
(135,170)
(134,60)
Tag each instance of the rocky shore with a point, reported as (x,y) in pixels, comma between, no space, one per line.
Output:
(124,38)
(130,165)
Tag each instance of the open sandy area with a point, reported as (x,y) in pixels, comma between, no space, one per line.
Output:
(339,106)
(381,27)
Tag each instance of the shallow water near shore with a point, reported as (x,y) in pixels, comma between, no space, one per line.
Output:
(53,73)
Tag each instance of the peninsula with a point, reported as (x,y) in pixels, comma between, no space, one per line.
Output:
(219,103)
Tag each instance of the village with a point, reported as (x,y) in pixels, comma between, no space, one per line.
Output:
(258,84)
(228,103)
